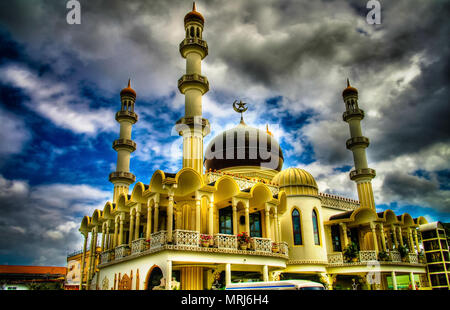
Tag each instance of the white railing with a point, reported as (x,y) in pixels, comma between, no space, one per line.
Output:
(224,241)
(261,244)
(138,246)
(106,256)
(158,239)
(335,258)
(186,237)
(284,248)
(394,256)
(412,258)
(121,251)
(367,256)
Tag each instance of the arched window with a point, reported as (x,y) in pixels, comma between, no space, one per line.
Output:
(192,32)
(315,228)
(198,32)
(296,226)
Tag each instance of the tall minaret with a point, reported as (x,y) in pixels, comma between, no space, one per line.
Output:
(193,127)
(362,175)
(126,117)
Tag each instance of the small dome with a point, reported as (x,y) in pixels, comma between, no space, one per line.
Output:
(296,177)
(350,90)
(194,16)
(128,91)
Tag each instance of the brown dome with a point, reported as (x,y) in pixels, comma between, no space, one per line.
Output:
(244,149)
(128,91)
(350,90)
(194,16)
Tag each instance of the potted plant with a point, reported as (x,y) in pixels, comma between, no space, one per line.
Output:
(205,240)
(243,240)
(383,256)
(351,252)
(275,247)
(403,250)
(422,258)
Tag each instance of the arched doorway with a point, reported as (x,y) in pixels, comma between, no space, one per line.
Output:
(154,277)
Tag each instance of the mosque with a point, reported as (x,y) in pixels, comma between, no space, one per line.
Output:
(234,213)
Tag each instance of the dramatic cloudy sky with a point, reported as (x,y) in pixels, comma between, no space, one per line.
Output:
(60,84)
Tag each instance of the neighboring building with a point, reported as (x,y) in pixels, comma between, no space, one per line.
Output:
(436,249)
(182,229)
(31,277)
(74,261)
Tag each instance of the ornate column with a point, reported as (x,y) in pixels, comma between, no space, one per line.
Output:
(83,259)
(131,229)
(168,275)
(394,235)
(383,239)
(103,236)
(394,280)
(411,242)
(198,214)
(138,225)
(235,223)
(108,235)
(121,228)
(170,217)
(265,273)
(267,213)
(247,219)
(344,233)
(374,236)
(413,282)
(116,231)
(149,221)
(211,218)
(400,235)
(277,238)
(227,274)
(416,239)
(156,217)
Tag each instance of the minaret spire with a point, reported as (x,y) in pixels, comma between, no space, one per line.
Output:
(362,174)
(193,127)
(124,146)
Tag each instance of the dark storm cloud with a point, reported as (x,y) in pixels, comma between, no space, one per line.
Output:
(411,189)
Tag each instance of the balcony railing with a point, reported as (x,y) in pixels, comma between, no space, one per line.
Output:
(121,251)
(138,246)
(158,239)
(367,256)
(107,256)
(186,237)
(261,244)
(223,241)
(337,258)
(394,256)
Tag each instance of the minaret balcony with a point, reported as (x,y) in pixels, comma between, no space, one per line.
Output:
(366,173)
(122,176)
(357,142)
(127,116)
(353,114)
(193,122)
(194,44)
(194,80)
(124,144)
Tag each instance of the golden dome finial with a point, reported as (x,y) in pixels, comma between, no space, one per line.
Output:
(128,90)
(193,7)
(349,90)
(129,83)
(348,82)
(268,131)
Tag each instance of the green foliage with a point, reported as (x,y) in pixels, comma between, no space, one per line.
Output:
(403,250)
(351,251)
